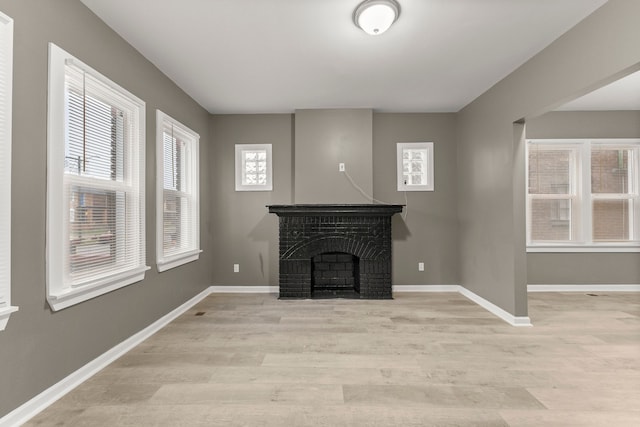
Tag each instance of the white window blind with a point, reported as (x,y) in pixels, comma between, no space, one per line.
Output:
(583,194)
(253,167)
(95,183)
(415,166)
(178,219)
(6,73)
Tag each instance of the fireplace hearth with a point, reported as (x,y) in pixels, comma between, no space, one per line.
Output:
(335,251)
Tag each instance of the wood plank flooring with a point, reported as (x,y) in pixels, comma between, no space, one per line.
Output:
(418,360)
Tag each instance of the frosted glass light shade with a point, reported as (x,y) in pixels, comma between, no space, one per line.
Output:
(376,16)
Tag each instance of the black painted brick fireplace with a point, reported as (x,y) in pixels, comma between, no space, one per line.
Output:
(341,251)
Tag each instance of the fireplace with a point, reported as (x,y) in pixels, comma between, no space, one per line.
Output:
(335,251)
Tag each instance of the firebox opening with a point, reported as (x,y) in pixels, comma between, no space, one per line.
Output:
(335,275)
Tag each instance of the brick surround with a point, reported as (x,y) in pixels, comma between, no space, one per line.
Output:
(312,235)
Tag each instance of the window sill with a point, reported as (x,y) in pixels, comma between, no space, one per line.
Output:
(5,313)
(178,260)
(71,296)
(582,249)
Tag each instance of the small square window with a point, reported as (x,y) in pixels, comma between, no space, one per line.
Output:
(415,166)
(253,167)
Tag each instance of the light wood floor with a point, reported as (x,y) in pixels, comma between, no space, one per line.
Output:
(419,360)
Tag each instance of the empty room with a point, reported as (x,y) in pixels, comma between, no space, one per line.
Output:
(319,213)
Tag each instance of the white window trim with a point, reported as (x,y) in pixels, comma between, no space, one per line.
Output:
(240,148)
(59,295)
(165,263)
(6,38)
(428,146)
(585,246)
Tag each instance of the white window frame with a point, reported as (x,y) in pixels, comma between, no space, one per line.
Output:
(167,261)
(61,293)
(580,194)
(240,167)
(6,78)
(427,173)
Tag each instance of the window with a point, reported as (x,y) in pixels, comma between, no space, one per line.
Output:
(95,183)
(415,166)
(253,167)
(583,195)
(6,75)
(178,229)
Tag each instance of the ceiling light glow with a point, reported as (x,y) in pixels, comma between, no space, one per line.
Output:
(376,16)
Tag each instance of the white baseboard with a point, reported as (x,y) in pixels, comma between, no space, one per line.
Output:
(495,310)
(30,409)
(583,288)
(426,288)
(244,289)
(489,306)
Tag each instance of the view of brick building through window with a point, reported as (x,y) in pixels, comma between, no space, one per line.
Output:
(558,195)
(610,174)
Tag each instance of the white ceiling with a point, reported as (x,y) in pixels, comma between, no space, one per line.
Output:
(265,56)
(623,94)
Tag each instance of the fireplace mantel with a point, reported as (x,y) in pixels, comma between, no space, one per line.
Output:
(323,209)
(308,233)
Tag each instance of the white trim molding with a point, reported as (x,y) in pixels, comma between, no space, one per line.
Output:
(5,313)
(30,409)
(495,310)
(244,289)
(426,288)
(583,288)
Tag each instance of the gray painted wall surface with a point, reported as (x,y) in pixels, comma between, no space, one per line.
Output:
(40,347)
(584,268)
(324,138)
(490,163)
(245,233)
(430,232)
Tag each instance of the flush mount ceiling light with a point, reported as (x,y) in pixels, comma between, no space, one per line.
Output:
(376,16)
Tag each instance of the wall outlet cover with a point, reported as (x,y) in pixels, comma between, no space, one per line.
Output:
(236,268)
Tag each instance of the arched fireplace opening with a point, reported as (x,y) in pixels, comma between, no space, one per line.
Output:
(335,275)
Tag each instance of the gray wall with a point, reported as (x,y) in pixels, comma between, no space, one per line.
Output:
(584,268)
(324,138)
(429,233)
(490,156)
(40,347)
(245,233)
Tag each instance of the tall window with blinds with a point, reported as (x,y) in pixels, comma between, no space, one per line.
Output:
(583,194)
(95,196)
(177,215)
(6,73)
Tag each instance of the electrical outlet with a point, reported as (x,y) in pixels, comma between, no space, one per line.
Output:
(421,266)
(236,268)
(341,167)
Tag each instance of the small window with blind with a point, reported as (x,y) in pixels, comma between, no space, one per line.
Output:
(583,195)
(178,219)
(253,167)
(95,183)
(415,166)
(6,78)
